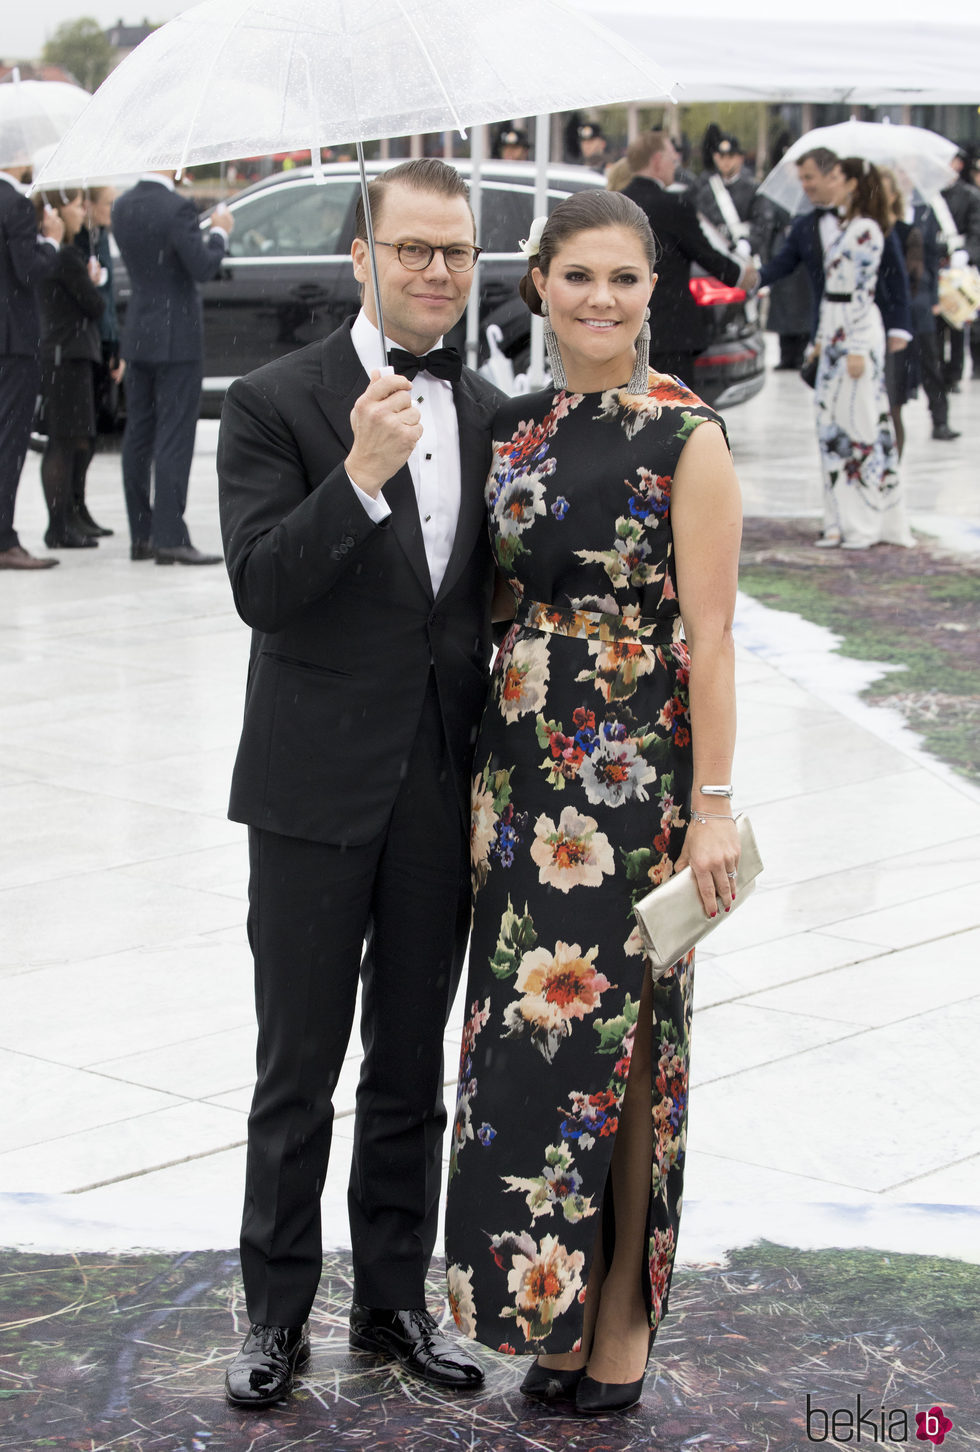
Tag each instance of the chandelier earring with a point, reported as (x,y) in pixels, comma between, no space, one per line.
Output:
(640,377)
(551,348)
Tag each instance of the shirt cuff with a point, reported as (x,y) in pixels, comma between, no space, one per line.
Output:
(50,241)
(900,333)
(377,509)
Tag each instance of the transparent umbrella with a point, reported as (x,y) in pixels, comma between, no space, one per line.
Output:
(33,114)
(232,78)
(920,158)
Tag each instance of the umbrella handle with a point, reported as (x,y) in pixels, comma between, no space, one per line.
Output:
(372,257)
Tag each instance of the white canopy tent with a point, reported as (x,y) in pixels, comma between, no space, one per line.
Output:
(863,52)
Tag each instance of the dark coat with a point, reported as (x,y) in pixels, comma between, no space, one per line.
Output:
(23,262)
(166,257)
(803,245)
(344,625)
(748,203)
(676,322)
(963,201)
(71,307)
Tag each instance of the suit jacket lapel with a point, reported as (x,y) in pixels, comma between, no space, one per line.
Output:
(343,382)
(474,419)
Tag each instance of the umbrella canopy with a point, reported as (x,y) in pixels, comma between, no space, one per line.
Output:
(920,158)
(34,114)
(233,78)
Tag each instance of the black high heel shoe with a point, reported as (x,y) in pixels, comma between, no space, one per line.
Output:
(85,524)
(597,1398)
(545,1384)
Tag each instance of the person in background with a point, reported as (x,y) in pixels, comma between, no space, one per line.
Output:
(28,252)
(71,306)
(975,325)
(863,502)
(918,232)
(160,240)
(963,201)
(592,145)
(676,327)
(619,174)
(727,197)
(93,241)
(811,234)
(512,144)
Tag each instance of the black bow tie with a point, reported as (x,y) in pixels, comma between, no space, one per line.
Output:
(441,363)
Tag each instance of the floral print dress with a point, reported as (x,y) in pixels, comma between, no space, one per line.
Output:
(862,491)
(579,807)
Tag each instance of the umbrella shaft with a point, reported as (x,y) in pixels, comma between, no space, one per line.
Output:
(372,254)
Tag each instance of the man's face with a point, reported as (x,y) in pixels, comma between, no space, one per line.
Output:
(418,307)
(663,163)
(513,152)
(592,146)
(727,163)
(821,188)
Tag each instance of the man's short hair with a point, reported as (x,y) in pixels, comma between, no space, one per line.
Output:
(639,152)
(822,157)
(425,174)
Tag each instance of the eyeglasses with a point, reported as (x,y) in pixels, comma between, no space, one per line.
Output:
(416,256)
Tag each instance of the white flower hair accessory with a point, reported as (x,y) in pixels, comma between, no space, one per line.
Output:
(531,245)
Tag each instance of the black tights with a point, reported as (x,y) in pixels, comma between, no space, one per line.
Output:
(63,468)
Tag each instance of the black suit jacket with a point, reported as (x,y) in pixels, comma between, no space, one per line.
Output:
(676,323)
(71,306)
(803,245)
(345,629)
(166,257)
(24,261)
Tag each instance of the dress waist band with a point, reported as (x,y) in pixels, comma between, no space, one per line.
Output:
(838,296)
(598,625)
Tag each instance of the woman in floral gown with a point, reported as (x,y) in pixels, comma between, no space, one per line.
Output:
(862,493)
(615,516)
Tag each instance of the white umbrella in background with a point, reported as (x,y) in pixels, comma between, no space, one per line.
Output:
(232,78)
(921,158)
(34,114)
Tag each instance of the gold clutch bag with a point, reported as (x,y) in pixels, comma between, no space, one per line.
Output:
(671,919)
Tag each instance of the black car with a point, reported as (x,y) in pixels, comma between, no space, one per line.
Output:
(287,277)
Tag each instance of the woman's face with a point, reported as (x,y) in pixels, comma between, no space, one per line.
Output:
(597,290)
(73,215)
(100,208)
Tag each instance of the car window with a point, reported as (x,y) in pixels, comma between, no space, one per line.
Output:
(304,220)
(507,216)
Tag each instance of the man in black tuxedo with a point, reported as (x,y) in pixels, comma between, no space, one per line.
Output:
(810,235)
(354,527)
(25,257)
(162,342)
(677,330)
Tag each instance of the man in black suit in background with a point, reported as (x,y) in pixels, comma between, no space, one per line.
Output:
(676,327)
(25,257)
(354,525)
(163,344)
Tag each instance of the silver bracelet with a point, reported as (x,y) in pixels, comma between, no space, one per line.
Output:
(717,791)
(702,817)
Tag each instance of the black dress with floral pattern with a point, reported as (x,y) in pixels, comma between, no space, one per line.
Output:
(579,807)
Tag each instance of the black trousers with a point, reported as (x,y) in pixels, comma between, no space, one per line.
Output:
(162,400)
(311,908)
(681,365)
(927,345)
(20,382)
(952,361)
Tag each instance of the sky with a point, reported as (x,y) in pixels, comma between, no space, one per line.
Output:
(25,27)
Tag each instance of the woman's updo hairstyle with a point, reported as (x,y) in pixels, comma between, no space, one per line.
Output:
(584,212)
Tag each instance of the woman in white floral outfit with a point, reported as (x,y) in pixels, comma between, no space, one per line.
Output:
(863,502)
(614,513)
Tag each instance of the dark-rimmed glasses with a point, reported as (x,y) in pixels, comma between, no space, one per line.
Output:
(416,256)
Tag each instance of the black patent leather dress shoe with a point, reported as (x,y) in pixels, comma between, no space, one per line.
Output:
(141,549)
(262,1372)
(414,1339)
(943,431)
(69,538)
(545,1384)
(185,555)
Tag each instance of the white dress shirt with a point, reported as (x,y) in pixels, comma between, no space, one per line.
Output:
(433,463)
